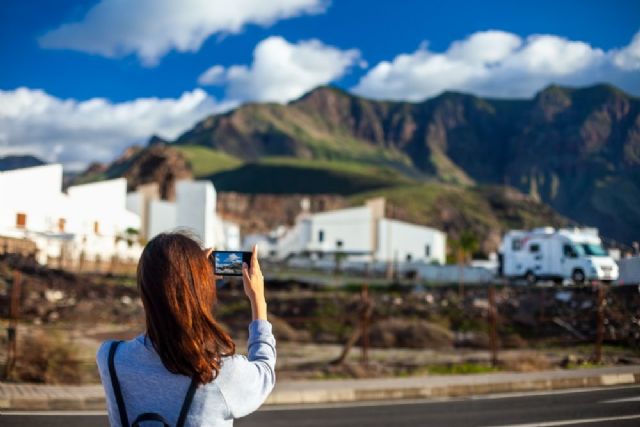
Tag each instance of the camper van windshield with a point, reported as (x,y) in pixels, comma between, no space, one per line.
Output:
(590,249)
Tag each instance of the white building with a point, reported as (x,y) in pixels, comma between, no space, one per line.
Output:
(194,209)
(361,233)
(90,221)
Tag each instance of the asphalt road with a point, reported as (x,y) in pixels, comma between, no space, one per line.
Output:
(594,407)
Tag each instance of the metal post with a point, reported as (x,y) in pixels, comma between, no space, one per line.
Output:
(12,331)
(365,323)
(493,327)
(600,324)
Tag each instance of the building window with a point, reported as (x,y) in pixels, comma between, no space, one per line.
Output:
(21,220)
(533,248)
(339,243)
(96,227)
(427,251)
(61,223)
(321,236)
(409,257)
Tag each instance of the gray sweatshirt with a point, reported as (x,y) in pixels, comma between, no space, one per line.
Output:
(242,385)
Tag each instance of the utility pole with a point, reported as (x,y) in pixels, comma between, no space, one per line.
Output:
(14,311)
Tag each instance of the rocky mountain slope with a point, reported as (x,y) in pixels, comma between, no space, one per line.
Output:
(141,165)
(577,150)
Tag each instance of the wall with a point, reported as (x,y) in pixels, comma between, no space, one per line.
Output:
(400,240)
(162,217)
(34,191)
(351,226)
(196,208)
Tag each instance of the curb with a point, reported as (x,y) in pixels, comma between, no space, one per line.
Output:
(91,397)
(281,396)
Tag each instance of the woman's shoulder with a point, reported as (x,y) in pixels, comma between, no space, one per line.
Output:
(102,354)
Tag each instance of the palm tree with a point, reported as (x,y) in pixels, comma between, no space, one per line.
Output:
(464,246)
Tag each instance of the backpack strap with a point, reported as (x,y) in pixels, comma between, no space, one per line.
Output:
(150,416)
(187,403)
(117,392)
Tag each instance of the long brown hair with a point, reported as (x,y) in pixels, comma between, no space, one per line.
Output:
(178,290)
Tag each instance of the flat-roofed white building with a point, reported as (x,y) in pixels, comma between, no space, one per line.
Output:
(193,210)
(89,220)
(361,233)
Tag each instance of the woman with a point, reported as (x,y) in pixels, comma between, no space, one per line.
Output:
(183,370)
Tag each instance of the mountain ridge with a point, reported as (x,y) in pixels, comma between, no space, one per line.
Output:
(568,147)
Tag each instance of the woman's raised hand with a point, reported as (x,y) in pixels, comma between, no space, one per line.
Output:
(254,286)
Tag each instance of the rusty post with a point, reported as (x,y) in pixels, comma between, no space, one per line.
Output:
(541,303)
(12,331)
(365,322)
(600,323)
(460,259)
(493,327)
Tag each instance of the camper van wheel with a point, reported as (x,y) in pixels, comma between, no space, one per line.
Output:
(530,278)
(578,277)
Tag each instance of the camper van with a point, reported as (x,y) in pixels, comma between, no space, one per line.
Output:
(549,254)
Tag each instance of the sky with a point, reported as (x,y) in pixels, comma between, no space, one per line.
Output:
(81,80)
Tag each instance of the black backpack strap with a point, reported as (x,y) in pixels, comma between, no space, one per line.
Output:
(187,403)
(116,384)
(150,416)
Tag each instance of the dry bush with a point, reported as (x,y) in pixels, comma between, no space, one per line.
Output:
(47,358)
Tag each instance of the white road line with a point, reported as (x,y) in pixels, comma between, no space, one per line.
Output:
(625,399)
(574,422)
(433,400)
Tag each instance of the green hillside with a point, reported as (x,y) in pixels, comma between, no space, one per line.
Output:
(206,161)
(283,175)
(486,211)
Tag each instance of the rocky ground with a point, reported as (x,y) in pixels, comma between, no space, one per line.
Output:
(413,329)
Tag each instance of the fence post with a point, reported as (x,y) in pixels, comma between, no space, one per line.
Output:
(493,327)
(366,313)
(600,323)
(12,331)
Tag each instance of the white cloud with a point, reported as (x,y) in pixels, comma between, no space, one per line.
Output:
(77,132)
(628,58)
(497,63)
(152,28)
(282,71)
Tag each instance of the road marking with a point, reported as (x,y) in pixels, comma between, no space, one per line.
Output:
(433,400)
(573,422)
(625,399)
(54,413)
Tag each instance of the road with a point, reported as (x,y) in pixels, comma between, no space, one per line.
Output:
(589,407)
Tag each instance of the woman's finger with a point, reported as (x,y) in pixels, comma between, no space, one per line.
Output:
(255,266)
(245,273)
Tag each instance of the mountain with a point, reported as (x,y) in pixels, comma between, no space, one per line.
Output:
(577,150)
(158,162)
(8,163)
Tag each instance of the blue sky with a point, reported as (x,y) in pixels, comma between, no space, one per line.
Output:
(83,79)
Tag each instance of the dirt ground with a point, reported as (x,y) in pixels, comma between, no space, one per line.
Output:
(413,329)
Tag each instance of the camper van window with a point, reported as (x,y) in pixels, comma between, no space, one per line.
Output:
(593,249)
(569,251)
(534,248)
(320,236)
(516,244)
